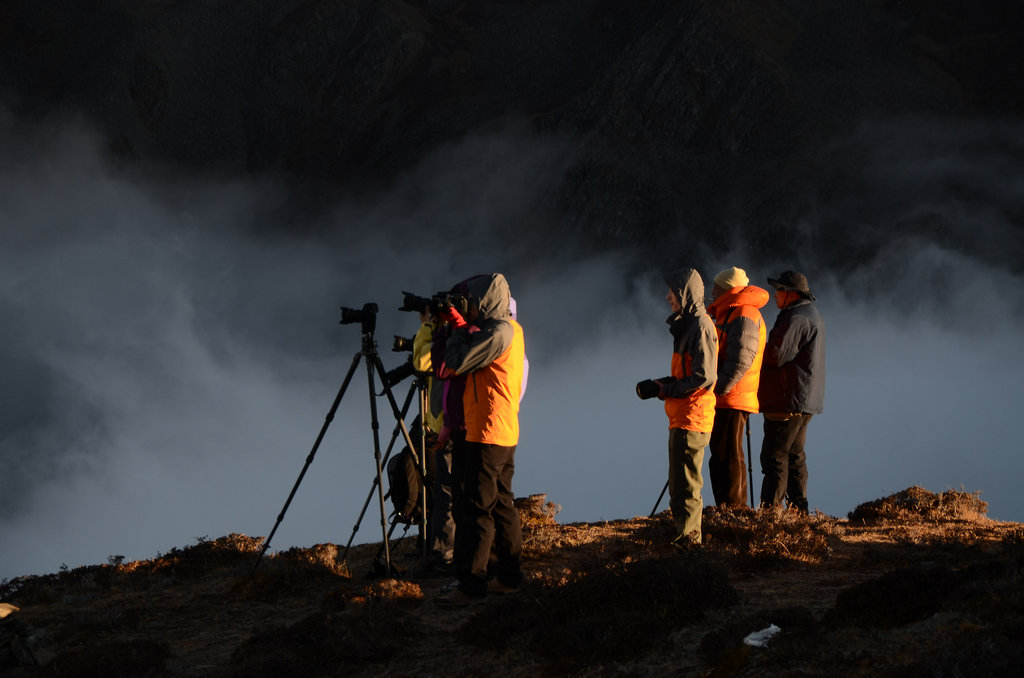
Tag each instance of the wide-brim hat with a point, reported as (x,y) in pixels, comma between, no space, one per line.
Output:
(792,281)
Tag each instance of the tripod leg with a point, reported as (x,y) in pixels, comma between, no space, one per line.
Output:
(655,509)
(423,465)
(375,426)
(375,482)
(391,570)
(309,459)
(374,358)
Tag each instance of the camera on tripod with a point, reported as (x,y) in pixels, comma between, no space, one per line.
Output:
(366,316)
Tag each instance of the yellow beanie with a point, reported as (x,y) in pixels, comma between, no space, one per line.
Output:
(732,277)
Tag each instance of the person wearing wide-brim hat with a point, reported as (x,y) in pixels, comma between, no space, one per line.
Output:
(792,389)
(791,281)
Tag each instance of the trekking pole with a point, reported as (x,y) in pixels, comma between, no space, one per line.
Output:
(655,509)
(421,384)
(750,465)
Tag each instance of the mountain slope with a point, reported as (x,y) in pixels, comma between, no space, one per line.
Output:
(701,121)
(914,584)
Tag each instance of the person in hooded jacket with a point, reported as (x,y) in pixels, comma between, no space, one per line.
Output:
(689,400)
(741,341)
(489,350)
(792,390)
(450,441)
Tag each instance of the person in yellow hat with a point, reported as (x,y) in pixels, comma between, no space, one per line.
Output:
(741,340)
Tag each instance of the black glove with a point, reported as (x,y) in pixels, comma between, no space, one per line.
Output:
(648,388)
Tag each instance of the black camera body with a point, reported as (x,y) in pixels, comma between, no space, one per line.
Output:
(366,316)
(648,388)
(443,300)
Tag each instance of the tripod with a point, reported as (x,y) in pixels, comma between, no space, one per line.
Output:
(367,317)
(420,386)
(750,475)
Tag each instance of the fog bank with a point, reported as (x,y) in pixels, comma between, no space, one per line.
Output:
(171,356)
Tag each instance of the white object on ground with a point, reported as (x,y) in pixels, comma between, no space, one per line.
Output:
(760,638)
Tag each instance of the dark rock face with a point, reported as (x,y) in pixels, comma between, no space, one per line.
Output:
(675,119)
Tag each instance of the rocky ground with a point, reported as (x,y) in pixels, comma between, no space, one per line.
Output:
(916,584)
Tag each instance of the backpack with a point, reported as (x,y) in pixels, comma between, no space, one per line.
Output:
(404,486)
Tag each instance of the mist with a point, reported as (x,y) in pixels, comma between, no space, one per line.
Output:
(171,351)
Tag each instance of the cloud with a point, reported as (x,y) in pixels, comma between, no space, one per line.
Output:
(174,349)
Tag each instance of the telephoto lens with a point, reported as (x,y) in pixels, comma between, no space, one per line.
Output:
(392,377)
(647,388)
(401,344)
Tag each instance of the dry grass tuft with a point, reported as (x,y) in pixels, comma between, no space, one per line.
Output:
(177,565)
(771,535)
(193,562)
(391,593)
(540,531)
(916,504)
(535,512)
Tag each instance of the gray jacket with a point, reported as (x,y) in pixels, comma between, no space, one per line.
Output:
(693,335)
(466,350)
(793,371)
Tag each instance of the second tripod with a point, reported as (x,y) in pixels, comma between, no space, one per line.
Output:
(367,318)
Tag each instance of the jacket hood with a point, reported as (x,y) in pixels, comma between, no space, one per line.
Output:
(492,295)
(748,295)
(689,288)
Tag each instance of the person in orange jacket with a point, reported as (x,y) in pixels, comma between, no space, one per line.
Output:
(741,341)
(689,400)
(489,350)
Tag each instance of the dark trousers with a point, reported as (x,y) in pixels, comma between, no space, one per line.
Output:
(442,524)
(486,517)
(726,467)
(783,461)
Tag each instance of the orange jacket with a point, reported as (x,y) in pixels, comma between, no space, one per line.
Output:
(690,399)
(695,411)
(741,341)
(491,354)
(491,399)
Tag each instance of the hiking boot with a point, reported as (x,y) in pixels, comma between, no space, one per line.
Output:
(687,542)
(457,598)
(436,568)
(495,586)
(450,586)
